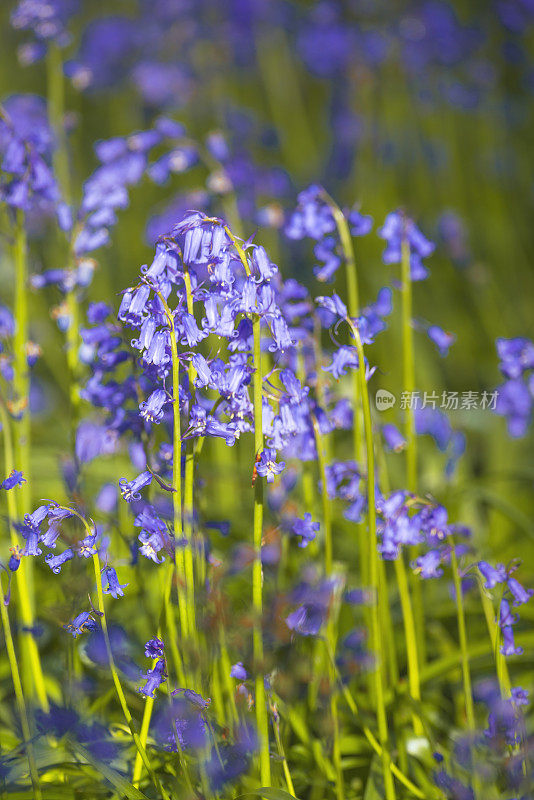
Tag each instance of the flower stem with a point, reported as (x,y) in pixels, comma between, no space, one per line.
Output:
(19,694)
(182,575)
(374,573)
(116,680)
(189,484)
(55,83)
(408,369)
(262,721)
(21,377)
(462,635)
(330,628)
(33,672)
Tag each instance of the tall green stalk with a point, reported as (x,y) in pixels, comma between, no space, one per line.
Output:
(189,478)
(21,375)
(462,636)
(19,694)
(55,83)
(262,720)
(353,304)
(408,369)
(115,675)
(33,672)
(376,639)
(330,628)
(184,571)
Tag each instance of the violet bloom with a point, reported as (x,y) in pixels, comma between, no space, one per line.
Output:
(15,478)
(267,466)
(342,358)
(83,622)
(428,565)
(56,562)
(238,671)
(154,648)
(154,678)
(441,339)
(394,439)
(152,409)
(114,588)
(493,575)
(508,647)
(130,491)
(520,594)
(398,228)
(306,529)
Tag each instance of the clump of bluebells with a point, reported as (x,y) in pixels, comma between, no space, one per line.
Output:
(251,530)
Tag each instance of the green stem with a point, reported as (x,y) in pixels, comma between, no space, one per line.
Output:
(21,376)
(189,486)
(149,702)
(354,309)
(116,680)
(262,721)
(19,694)
(376,640)
(503,674)
(33,668)
(281,753)
(55,82)
(371,738)
(462,635)
(408,369)
(325,500)
(414,680)
(179,558)
(330,627)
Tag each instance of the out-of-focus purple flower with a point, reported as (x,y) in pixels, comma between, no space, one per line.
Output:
(397,229)
(393,438)
(441,338)
(306,529)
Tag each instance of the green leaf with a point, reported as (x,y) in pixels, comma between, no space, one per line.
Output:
(269,793)
(114,777)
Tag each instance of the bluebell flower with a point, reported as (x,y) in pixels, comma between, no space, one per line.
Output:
(516,356)
(267,466)
(428,565)
(519,593)
(306,529)
(393,438)
(342,358)
(56,562)
(238,671)
(151,409)
(15,478)
(15,558)
(83,622)
(441,338)
(509,647)
(87,546)
(154,678)
(515,401)
(231,759)
(360,224)
(154,648)
(180,725)
(493,575)
(114,588)
(131,490)
(398,228)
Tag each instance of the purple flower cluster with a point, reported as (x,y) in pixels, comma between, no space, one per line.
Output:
(516,395)
(314,219)
(26,144)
